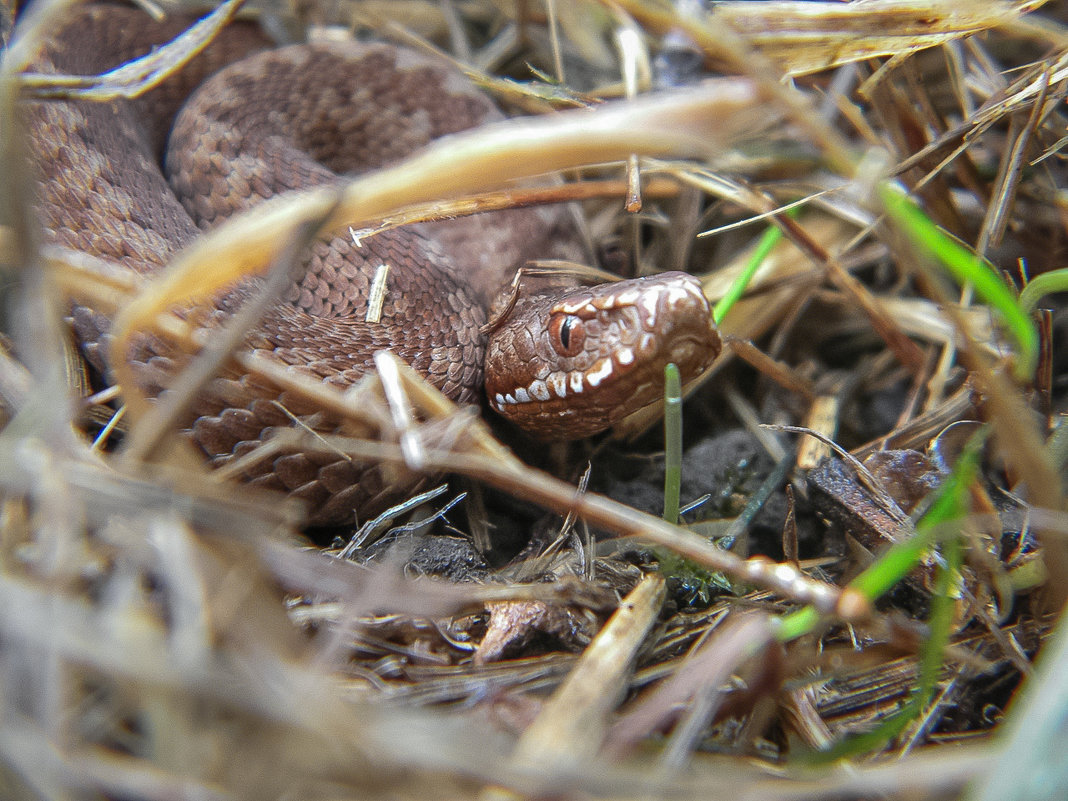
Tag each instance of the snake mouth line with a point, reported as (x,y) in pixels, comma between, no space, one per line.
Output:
(563,385)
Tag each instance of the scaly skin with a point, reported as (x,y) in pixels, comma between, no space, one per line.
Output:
(292,118)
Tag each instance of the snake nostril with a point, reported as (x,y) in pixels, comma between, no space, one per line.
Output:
(567,334)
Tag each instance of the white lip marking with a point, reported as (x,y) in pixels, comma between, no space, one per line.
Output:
(509,399)
(627,298)
(624,356)
(576,382)
(539,390)
(600,372)
(522,396)
(499,398)
(558,383)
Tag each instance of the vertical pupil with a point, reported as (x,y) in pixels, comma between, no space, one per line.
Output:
(565,333)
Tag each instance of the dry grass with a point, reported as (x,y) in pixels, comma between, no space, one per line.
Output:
(167,634)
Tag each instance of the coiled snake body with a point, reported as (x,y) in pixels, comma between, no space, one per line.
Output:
(565,364)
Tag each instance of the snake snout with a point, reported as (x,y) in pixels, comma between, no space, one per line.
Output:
(571,367)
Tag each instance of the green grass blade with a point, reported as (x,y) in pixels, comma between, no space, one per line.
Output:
(1040,286)
(768,240)
(672,443)
(966,267)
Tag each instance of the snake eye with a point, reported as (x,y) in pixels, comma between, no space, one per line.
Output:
(567,334)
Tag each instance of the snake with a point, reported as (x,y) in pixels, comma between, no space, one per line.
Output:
(133,182)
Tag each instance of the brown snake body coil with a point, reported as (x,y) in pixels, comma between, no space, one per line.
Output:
(563,365)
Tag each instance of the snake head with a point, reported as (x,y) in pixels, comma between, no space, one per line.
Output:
(570,366)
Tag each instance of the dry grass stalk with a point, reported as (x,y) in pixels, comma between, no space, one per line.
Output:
(145,646)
